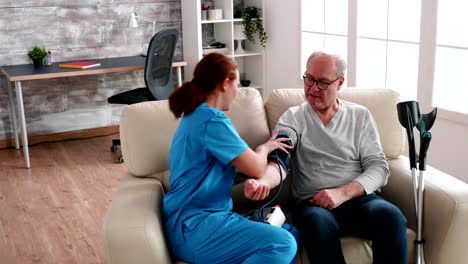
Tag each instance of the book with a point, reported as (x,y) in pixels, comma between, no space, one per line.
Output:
(80,65)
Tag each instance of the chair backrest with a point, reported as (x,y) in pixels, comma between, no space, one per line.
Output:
(158,67)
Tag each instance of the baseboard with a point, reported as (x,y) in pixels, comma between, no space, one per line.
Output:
(79,134)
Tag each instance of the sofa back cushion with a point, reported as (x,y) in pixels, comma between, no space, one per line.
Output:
(146,131)
(249,118)
(380,102)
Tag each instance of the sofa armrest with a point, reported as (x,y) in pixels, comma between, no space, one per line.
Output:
(445,213)
(133,228)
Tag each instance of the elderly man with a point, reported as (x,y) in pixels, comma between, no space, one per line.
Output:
(337,165)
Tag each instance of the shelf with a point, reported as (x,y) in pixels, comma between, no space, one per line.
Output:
(216,21)
(199,33)
(247,53)
(240,19)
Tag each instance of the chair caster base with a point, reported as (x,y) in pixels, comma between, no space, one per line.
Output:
(114,148)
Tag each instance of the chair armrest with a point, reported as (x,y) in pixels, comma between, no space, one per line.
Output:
(133,229)
(445,216)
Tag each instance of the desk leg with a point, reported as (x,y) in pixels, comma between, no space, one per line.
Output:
(24,133)
(13,114)
(179,76)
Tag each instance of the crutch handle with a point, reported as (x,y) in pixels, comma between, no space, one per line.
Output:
(424,146)
(409,115)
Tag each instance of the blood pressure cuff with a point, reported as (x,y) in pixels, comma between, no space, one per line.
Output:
(283,158)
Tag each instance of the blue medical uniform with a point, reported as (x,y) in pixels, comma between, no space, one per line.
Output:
(199,223)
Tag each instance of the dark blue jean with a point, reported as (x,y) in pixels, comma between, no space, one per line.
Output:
(369,217)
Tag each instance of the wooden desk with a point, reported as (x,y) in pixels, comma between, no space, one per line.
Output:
(26,72)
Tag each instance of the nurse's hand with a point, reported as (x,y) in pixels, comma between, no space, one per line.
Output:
(256,190)
(274,143)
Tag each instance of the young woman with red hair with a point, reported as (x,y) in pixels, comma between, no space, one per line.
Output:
(199,223)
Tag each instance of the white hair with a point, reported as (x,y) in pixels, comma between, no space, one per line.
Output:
(340,62)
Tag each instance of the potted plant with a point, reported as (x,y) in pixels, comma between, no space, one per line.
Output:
(37,55)
(253,23)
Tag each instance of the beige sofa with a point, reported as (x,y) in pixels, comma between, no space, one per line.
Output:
(133,231)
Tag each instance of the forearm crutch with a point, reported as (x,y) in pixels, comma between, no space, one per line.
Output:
(409,116)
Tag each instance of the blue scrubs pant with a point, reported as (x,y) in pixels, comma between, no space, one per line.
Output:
(230,238)
(369,217)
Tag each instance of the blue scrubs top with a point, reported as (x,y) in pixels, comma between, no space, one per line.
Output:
(201,174)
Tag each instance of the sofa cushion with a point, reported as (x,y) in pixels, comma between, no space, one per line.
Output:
(380,102)
(359,251)
(279,101)
(146,131)
(248,117)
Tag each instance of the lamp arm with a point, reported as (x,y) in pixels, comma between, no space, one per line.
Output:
(147,20)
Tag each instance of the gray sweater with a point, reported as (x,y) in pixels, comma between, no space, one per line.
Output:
(347,149)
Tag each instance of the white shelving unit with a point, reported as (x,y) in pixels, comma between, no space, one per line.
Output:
(251,63)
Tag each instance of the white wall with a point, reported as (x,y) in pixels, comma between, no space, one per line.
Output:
(448,151)
(282,23)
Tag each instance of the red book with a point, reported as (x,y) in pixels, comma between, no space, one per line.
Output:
(79,64)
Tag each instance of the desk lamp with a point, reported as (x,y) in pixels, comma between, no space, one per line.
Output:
(132,23)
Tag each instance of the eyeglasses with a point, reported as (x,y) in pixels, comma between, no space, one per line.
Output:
(309,81)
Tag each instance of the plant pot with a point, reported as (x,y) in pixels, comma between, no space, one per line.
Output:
(237,13)
(38,63)
(245,83)
(253,12)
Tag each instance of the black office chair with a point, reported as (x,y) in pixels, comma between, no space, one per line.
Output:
(158,74)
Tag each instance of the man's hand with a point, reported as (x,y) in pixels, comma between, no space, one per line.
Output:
(255,190)
(332,198)
(329,198)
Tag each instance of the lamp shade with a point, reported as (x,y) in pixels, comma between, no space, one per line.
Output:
(239,32)
(132,22)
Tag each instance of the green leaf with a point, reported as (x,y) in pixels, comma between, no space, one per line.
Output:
(253,23)
(37,53)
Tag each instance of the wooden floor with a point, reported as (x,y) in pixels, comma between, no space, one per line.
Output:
(54,211)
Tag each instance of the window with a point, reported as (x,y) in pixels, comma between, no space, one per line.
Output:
(387,52)
(321,30)
(418,48)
